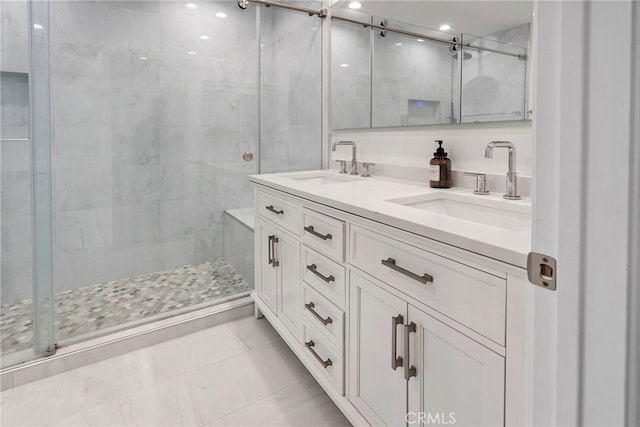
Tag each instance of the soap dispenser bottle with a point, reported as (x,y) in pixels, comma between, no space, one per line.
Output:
(440,168)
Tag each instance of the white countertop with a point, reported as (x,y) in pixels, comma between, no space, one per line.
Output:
(368,197)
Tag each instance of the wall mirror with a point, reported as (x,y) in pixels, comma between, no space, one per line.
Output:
(406,68)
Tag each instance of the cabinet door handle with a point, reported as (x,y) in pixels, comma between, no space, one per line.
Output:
(272,251)
(274,210)
(409,369)
(328,279)
(391,263)
(324,321)
(311,230)
(325,363)
(396,360)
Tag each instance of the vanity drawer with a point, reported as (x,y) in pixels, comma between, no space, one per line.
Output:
(283,212)
(325,360)
(467,295)
(324,233)
(321,313)
(324,275)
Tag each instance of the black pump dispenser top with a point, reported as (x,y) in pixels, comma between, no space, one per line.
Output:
(440,151)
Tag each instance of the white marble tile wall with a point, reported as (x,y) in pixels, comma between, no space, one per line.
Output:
(148,137)
(14,36)
(15,153)
(15,224)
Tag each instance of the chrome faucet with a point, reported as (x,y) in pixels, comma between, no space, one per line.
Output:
(354,162)
(512,175)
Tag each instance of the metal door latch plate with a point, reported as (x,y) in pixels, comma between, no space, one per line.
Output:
(541,270)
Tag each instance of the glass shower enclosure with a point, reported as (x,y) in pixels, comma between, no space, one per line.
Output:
(124,125)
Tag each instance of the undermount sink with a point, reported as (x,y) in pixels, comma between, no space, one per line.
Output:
(503,214)
(323,178)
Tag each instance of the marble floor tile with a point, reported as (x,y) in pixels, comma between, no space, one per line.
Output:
(262,384)
(166,404)
(209,346)
(295,405)
(254,332)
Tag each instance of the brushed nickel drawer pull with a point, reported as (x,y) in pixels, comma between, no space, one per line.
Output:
(409,369)
(326,363)
(274,210)
(396,361)
(324,321)
(311,230)
(272,251)
(391,263)
(328,279)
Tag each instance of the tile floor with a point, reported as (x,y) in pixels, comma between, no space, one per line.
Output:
(237,374)
(93,308)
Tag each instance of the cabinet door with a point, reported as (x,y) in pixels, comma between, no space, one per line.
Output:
(266,272)
(458,381)
(290,302)
(375,388)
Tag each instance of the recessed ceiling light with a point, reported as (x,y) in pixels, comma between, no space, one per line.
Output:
(221,15)
(445,27)
(420,40)
(191,6)
(344,65)
(38,26)
(203,37)
(191,52)
(355,5)
(144,58)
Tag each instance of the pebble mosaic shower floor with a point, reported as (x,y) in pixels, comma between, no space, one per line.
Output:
(97,307)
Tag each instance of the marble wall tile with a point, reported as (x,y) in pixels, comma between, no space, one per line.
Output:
(15,224)
(83,229)
(15,156)
(14,36)
(137,184)
(95,111)
(83,147)
(76,61)
(14,105)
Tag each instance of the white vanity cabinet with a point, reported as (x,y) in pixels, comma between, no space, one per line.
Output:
(277,261)
(398,329)
(407,366)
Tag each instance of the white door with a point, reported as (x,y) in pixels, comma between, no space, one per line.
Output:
(290,295)
(266,272)
(378,391)
(584,211)
(457,380)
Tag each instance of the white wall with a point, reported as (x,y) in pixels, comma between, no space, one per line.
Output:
(412,148)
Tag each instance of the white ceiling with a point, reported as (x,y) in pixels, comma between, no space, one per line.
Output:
(477,17)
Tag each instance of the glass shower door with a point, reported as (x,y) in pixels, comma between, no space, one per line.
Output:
(26,306)
(290,90)
(155,103)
